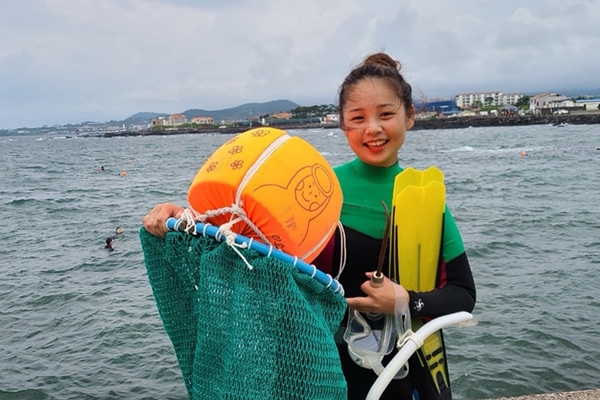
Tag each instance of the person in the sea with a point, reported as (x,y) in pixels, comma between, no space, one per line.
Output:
(117,233)
(376,111)
(109,244)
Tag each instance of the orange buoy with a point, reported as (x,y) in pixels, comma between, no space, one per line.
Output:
(277,188)
(123,173)
(523,153)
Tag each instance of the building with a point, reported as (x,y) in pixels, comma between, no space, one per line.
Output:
(544,103)
(177,119)
(331,119)
(160,121)
(510,99)
(482,99)
(588,104)
(444,107)
(202,120)
(282,115)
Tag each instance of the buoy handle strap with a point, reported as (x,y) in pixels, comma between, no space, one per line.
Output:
(237,213)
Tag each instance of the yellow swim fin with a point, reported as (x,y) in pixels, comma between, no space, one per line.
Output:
(408,177)
(415,244)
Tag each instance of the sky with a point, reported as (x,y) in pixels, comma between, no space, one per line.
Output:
(70,61)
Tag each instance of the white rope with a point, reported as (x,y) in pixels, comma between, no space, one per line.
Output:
(330,281)
(258,163)
(190,217)
(190,221)
(237,213)
(225,231)
(342,250)
(237,208)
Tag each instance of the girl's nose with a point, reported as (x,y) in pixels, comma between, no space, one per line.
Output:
(373,126)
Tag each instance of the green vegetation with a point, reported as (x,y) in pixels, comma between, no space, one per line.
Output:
(313,111)
(523,103)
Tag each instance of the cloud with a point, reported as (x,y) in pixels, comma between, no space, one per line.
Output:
(67,61)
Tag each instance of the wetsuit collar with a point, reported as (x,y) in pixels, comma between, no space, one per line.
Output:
(375,174)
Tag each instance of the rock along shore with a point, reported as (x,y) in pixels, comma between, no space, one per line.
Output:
(466,122)
(441,123)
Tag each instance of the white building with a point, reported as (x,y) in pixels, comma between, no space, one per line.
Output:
(589,104)
(200,120)
(331,118)
(177,119)
(549,100)
(468,100)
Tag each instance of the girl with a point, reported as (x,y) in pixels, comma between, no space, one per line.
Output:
(376,110)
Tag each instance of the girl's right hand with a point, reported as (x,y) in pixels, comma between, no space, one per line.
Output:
(155,221)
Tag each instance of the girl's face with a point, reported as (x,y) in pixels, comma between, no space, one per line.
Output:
(375,122)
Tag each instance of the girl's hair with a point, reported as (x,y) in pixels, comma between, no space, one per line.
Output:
(382,66)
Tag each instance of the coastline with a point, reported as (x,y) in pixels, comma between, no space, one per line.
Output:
(590,118)
(478,121)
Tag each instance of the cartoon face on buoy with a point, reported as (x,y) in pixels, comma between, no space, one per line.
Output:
(308,192)
(315,187)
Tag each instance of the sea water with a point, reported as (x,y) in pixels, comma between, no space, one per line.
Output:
(79,322)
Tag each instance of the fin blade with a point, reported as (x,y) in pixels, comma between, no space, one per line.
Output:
(418,217)
(418,206)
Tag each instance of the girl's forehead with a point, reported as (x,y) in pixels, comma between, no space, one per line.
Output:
(365,97)
(369,89)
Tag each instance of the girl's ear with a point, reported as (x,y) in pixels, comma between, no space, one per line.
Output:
(410,117)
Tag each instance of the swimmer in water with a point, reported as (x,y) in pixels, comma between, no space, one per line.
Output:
(108,246)
(118,233)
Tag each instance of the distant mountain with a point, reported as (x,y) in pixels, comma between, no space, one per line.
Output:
(238,113)
(243,112)
(143,118)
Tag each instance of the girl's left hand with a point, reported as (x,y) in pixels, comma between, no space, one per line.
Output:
(380,300)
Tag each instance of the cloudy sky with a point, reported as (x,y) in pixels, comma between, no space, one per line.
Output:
(69,61)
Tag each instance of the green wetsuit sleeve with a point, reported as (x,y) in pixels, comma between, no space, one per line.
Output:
(453,243)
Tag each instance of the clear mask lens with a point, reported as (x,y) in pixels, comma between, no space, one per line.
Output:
(369,343)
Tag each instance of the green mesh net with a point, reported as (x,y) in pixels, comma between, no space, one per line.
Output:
(241,333)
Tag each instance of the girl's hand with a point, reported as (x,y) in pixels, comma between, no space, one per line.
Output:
(380,300)
(155,221)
